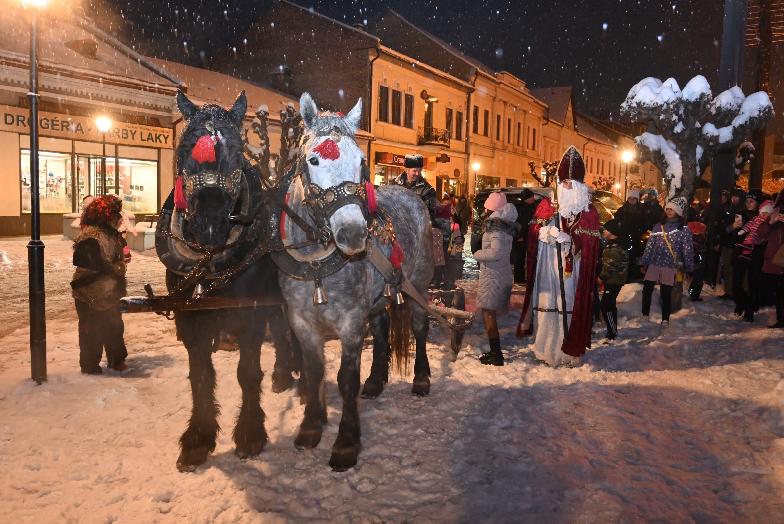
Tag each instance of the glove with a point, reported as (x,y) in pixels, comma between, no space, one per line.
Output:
(563,238)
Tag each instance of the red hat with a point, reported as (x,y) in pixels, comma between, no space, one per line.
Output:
(571,166)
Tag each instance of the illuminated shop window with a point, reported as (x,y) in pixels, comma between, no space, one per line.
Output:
(54,181)
(138,183)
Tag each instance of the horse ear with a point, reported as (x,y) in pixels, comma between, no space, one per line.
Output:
(354,117)
(238,110)
(308,109)
(186,107)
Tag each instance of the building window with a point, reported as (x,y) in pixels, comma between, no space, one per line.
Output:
(396,101)
(475,122)
(409,113)
(449,121)
(138,182)
(498,127)
(55,189)
(533,140)
(518,134)
(459,125)
(383,104)
(511,182)
(509,130)
(485,129)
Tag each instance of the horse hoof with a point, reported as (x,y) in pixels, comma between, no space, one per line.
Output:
(421,387)
(191,459)
(373,388)
(281,381)
(250,450)
(307,438)
(344,458)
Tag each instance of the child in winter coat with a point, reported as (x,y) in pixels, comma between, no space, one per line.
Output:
(668,254)
(612,273)
(495,273)
(98,284)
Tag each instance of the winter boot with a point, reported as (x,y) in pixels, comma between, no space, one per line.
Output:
(494,357)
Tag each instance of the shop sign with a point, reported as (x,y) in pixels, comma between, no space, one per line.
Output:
(391,159)
(58,125)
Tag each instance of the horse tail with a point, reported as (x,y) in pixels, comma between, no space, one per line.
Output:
(400,340)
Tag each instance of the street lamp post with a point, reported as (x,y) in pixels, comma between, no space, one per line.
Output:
(626,156)
(475,166)
(104,125)
(35,248)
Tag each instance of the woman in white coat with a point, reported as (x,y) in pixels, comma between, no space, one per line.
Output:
(495,271)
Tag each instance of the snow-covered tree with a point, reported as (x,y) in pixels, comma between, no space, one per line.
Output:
(686,126)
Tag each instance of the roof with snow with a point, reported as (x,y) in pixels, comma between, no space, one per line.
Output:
(212,87)
(69,44)
(400,34)
(591,129)
(557,98)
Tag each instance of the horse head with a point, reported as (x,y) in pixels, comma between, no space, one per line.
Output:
(210,161)
(333,173)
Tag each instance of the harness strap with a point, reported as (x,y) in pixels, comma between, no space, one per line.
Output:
(384,266)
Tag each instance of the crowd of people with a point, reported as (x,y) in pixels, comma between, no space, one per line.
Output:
(574,261)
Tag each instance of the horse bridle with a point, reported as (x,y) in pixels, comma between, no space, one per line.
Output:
(322,203)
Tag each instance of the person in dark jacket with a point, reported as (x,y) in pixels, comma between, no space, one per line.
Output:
(612,273)
(525,213)
(98,284)
(727,239)
(412,179)
(745,260)
(462,214)
(654,213)
(699,236)
(772,231)
(632,219)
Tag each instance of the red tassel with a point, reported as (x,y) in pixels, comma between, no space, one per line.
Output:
(370,190)
(204,150)
(180,202)
(397,256)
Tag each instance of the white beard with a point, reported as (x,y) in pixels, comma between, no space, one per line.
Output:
(573,201)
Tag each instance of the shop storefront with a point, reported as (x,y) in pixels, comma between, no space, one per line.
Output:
(388,166)
(76,160)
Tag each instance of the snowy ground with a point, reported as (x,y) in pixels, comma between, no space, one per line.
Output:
(681,426)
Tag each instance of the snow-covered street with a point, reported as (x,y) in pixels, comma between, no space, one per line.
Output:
(683,425)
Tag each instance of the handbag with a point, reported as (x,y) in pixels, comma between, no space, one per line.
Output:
(679,275)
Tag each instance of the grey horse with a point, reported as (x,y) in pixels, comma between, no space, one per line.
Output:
(329,191)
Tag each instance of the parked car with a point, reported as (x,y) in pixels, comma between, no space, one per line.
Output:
(605,202)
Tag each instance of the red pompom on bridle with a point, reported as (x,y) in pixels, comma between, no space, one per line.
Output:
(180,202)
(204,150)
(397,257)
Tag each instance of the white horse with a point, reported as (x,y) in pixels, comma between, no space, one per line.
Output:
(330,192)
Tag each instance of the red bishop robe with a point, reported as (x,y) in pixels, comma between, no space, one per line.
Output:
(585,240)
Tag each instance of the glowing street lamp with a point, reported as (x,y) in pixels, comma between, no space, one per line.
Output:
(35,248)
(104,125)
(627,155)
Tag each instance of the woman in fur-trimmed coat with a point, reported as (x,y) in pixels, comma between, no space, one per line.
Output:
(495,272)
(98,284)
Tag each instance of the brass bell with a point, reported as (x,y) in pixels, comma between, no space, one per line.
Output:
(387,290)
(198,290)
(399,300)
(319,296)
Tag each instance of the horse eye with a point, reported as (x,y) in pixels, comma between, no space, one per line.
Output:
(313,161)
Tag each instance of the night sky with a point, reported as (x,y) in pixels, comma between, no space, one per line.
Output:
(600,47)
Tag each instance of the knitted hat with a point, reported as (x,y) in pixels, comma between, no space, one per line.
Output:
(766,207)
(738,192)
(571,166)
(633,193)
(495,201)
(677,204)
(414,161)
(613,226)
(754,194)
